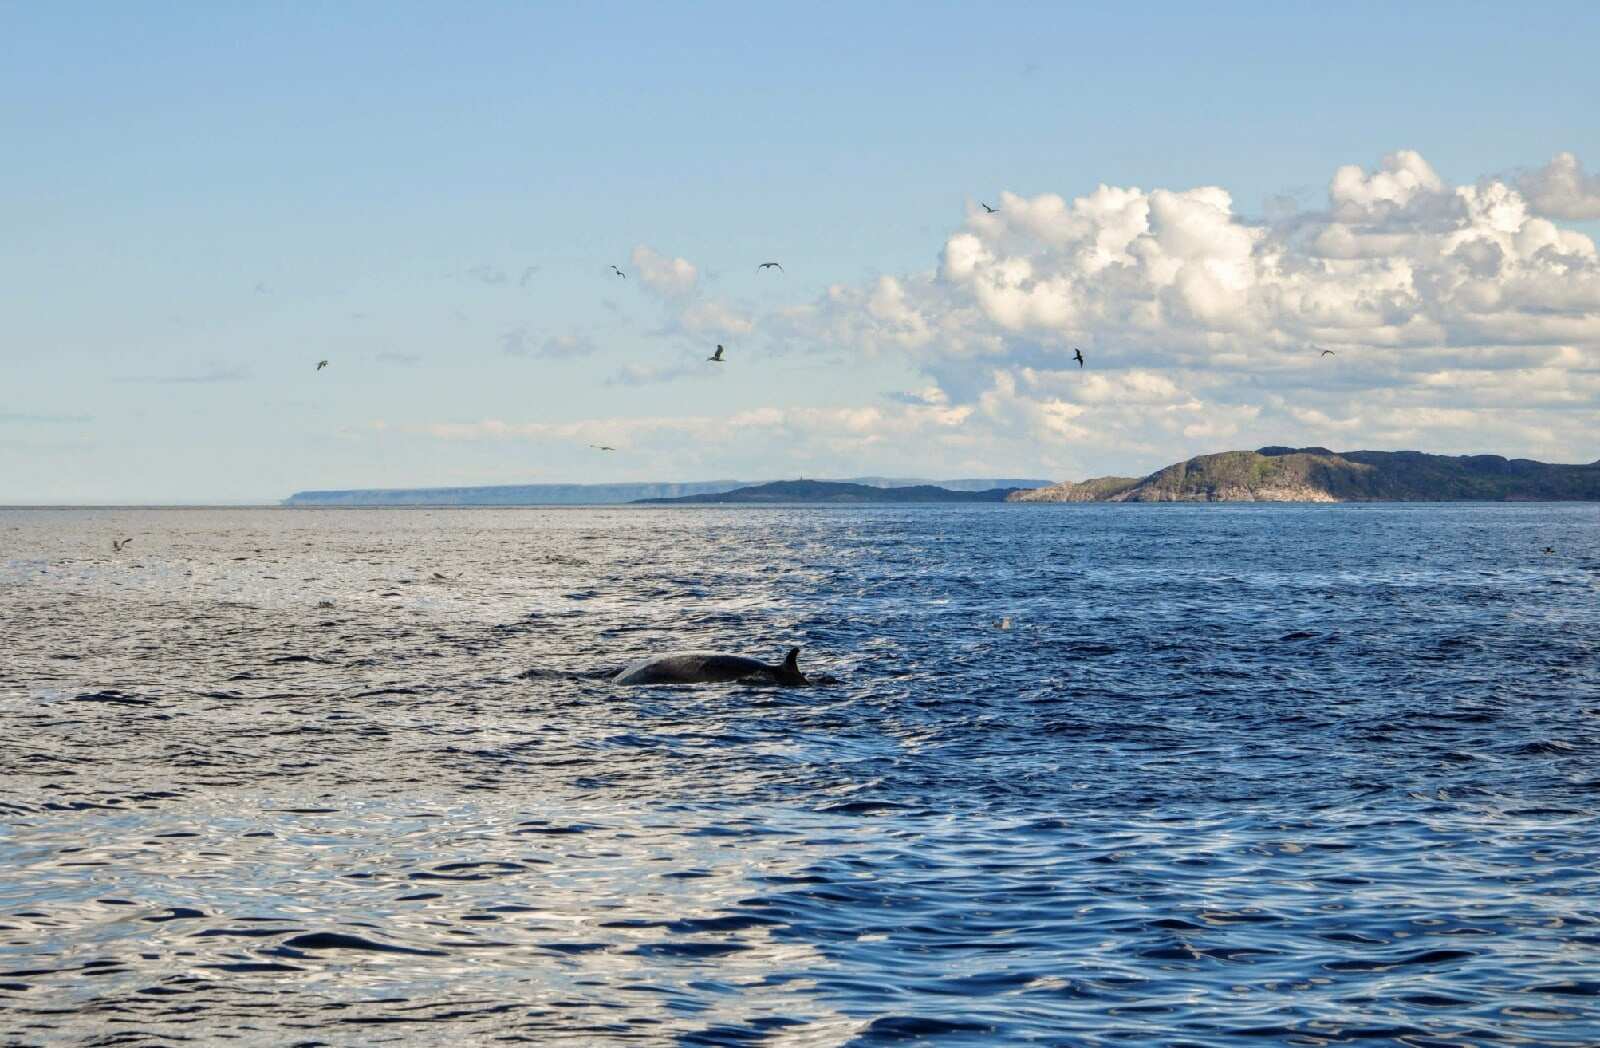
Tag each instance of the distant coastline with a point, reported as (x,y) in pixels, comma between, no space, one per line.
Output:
(1268,474)
(832,492)
(603,494)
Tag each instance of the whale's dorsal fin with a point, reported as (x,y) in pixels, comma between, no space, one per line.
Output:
(791,661)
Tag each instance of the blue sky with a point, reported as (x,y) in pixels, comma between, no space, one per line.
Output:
(198,205)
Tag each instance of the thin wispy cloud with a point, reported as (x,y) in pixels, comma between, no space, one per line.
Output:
(933,396)
(44,420)
(205,376)
(560,347)
(405,359)
(519,343)
(654,374)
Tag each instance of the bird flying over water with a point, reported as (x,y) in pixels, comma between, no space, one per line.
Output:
(1077,354)
(619,272)
(990,210)
(1547,550)
(717,356)
(118,545)
(1329,353)
(321,364)
(768,265)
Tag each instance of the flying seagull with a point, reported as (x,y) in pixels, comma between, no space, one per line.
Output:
(117,546)
(602,447)
(768,265)
(1077,354)
(716,357)
(321,364)
(619,272)
(990,210)
(1329,353)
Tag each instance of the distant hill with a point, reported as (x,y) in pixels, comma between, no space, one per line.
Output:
(1279,474)
(592,494)
(966,484)
(835,492)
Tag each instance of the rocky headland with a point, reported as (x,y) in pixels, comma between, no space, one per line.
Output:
(1280,474)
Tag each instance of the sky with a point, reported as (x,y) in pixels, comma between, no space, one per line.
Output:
(199,202)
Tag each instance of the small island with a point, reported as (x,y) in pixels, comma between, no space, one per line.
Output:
(1315,474)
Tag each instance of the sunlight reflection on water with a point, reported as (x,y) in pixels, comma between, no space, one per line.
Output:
(1232,774)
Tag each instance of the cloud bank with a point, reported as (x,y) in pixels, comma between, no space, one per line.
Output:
(1461,318)
(1458,316)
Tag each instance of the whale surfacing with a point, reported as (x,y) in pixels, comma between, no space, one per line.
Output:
(705,667)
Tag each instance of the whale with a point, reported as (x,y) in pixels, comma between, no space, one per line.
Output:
(708,667)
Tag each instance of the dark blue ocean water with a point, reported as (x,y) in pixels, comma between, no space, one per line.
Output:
(1089,775)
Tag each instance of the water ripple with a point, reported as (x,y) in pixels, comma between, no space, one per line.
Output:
(1085,775)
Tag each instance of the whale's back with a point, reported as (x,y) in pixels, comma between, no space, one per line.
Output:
(709,667)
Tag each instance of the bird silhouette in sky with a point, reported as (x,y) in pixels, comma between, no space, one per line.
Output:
(619,272)
(769,265)
(602,447)
(716,358)
(1329,353)
(321,364)
(1077,354)
(990,210)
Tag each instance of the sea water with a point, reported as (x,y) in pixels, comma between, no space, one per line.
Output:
(1088,775)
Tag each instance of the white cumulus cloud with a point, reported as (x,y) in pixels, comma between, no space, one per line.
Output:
(1460,318)
(1204,325)
(672,277)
